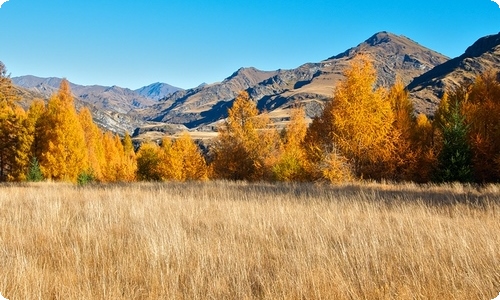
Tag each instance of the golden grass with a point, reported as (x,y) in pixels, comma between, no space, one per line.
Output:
(221,240)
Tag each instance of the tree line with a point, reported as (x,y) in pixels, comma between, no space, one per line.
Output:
(362,133)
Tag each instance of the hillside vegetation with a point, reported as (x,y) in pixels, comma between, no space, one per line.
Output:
(229,240)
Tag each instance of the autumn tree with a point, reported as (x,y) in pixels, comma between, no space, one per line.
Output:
(129,159)
(481,109)
(424,147)
(246,146)
(64,154)
(37,126)
(15,138)
(148,162)
(323,160)
(399,163)
(181,160)
(291,165)
(362,119)
(93,144)
(192,163)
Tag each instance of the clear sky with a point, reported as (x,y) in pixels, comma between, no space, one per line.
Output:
(184,42)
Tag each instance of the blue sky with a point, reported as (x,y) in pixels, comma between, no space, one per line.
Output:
(184,43)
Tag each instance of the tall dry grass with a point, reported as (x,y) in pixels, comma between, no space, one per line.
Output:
(222,240)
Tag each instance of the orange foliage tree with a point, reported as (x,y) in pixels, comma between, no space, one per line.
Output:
(15,138)
(247,147)
(481,109)
(291,165)
(362,119)
(93,144)
(64,155)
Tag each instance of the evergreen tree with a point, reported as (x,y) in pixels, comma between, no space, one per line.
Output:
(455,158)
(34,172)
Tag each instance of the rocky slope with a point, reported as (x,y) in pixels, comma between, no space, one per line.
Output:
(310,84)
(204,103)
(114,98)
(105,119)
(427,89)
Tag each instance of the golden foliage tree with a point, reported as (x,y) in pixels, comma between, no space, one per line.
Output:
(362,118)
(181,160)
(291,165)
(323,160)
(423,145)
(64,155)
(481,109)
(36,127)
(15,137)
(401,161)
(93,144)
(129,160)
(246,148)
(148,162)
(192,163)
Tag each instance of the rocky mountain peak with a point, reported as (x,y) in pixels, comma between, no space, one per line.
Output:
(379,38)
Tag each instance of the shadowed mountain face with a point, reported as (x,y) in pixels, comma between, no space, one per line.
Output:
(310,84)
(428,88)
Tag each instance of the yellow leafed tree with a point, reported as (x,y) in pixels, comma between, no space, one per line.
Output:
(15,137)
(291,165)
(362,118)
(193,165)
(482,112)
(64,155)
(148,162)
(400,162)
(247,146)
(129,160)
(93,144)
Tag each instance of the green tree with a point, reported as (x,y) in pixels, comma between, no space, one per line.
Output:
(455,157)
(34,172)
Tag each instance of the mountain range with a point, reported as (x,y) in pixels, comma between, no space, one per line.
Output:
(164,108)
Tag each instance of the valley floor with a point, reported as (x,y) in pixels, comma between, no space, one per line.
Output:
(227,240)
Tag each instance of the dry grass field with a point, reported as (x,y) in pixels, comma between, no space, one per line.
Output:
(222,240)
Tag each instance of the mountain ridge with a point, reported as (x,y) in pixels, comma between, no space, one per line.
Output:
(482,55)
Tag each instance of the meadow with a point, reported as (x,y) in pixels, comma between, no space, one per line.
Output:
(236,240)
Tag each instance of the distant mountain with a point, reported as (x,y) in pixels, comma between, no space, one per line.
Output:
(106,119)
(188,107)
(114,98)
(157,91)
(310,84)
(429,87)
